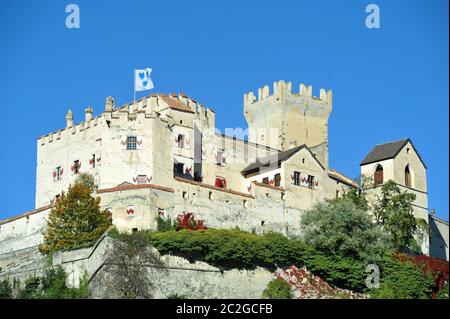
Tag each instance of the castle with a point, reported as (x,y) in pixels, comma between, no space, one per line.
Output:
(162,155)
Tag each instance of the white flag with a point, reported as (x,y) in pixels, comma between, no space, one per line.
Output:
(142,80)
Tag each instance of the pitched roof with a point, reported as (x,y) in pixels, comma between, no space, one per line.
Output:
(175,104)
(387,151)
(342,178)
(275,159)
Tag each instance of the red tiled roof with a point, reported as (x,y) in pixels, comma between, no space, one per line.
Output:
(176,105)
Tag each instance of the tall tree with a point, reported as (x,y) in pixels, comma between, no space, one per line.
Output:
(341,228)
(75,221)
(394,211)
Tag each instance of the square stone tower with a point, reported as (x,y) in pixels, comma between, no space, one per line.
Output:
(285,119)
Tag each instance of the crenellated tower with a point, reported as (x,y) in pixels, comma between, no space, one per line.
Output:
(286,119)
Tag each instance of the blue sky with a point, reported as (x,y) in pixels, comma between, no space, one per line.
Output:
(387,83)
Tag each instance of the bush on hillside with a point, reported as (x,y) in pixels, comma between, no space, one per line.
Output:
(277,288)
(232,248)
(5,289)
(402,279)
(52,285)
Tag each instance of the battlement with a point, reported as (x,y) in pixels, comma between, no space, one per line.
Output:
(281,89)
(148,106)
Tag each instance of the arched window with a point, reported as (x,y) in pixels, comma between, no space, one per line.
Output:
(378,176)
(407,177)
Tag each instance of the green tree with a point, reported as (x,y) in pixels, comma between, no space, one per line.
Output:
(358,197)
(341,228)
(86,179)
(75,221)
(394,212)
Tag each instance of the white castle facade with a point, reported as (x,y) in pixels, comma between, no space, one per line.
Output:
(162,156)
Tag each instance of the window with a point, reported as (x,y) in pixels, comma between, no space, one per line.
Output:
(297,178)
(220,182)
(378,176)
(210,195)
(278,179)
(407,177)
(198,177)
(92,161)
(57,174)
(161,212)
(76,167)
(184,194)
(265,180)
(219,158)
(310,181)
(180,140)
(178,168)
(131,143)
(244,203)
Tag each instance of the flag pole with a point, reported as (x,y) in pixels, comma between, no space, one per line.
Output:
(134,87)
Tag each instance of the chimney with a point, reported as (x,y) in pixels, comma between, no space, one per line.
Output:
(109,106)
(88,113)
(69,119)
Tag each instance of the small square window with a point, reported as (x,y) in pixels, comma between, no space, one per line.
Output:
(180,140)
(131,143)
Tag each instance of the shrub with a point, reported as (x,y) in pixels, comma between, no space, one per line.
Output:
(443,293)
(53,286)
(187,221)
(76,221)
(32,288)
(232,248)
(437,268)
(340,228)
(5,289)
(277,289)
(402,279)
(226,248)
(164,224)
